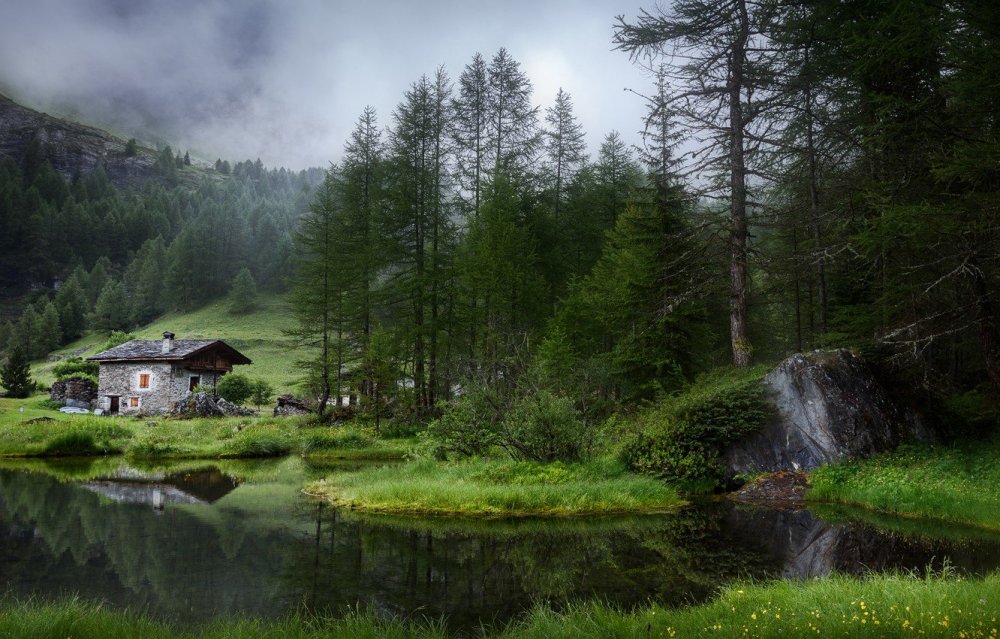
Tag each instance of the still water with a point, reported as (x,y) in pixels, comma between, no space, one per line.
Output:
(193,541)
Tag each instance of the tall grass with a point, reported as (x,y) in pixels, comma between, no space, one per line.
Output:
(839,606)
(954,483)
(498,488)
(82,620)
(883,606)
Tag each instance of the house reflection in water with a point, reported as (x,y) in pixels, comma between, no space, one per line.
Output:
(157,489)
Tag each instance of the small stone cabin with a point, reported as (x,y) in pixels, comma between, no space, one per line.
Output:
(148,377)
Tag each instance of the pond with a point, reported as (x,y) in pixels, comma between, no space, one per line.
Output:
(190,542)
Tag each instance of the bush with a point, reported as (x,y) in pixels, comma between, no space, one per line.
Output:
(682,437)
(235,387)
(545,427)
(469,425)
(116,338)
(76,367)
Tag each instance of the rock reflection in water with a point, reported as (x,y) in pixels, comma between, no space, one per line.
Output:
(808,546)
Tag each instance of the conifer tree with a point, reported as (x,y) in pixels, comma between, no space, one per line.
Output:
(111,310)
(243,294)
(318,291)
(565,148)
(49,334)
(470,109)
(16,375)
(71,301)
(716,52)
(360,192)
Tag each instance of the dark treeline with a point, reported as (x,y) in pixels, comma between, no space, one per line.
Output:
(81,254)
(842,192)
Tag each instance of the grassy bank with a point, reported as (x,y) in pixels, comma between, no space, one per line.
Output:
(953,483)
(499,488)
(883,606)
(40,432)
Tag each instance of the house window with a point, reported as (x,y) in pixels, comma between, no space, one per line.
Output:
(133,402)
(144,380)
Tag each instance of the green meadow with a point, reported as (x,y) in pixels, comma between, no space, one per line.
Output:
(259,335)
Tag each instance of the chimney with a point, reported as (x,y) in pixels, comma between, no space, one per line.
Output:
(168,342)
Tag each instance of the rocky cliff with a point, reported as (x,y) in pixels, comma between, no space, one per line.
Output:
(828,406)
(70,147)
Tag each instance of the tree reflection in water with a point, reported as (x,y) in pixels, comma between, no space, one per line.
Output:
(254,545)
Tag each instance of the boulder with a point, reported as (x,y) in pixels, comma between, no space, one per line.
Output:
(828,406)
(289,405)
(75,391)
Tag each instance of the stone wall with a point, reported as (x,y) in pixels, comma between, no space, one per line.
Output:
(81,393)
(122,379)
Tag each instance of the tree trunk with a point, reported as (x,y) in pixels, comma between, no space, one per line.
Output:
(738,213)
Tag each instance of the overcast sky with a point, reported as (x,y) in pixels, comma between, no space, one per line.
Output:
(286,80)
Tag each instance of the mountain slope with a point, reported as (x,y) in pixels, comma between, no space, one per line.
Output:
(72,148)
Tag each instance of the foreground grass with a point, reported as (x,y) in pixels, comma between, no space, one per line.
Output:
(61,435)
(953,483)
(877,606)
(498,488)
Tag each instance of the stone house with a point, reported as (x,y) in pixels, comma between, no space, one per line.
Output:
(148,377)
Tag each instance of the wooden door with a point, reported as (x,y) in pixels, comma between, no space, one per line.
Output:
(114,405)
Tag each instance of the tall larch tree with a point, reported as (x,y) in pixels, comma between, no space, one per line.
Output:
(714,52)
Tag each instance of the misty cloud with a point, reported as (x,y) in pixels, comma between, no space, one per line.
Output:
(285,81)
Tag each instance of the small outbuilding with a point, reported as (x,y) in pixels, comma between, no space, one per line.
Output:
(148,377)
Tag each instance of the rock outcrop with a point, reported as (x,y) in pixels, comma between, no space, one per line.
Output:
(289,405)
(72,148)
(828,406)
(78,392)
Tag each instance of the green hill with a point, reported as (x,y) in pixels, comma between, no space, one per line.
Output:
(259,335)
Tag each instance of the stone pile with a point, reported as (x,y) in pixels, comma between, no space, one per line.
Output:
(289,405)
(205,405)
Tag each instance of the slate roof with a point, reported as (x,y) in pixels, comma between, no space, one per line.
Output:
(145,350)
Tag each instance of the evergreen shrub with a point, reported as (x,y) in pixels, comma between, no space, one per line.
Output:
(681,438)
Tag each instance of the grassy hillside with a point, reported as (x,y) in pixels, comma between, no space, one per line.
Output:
(258,335)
